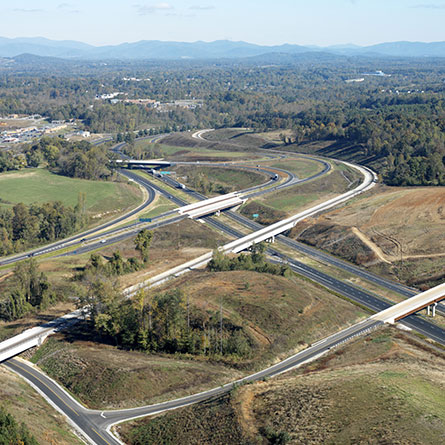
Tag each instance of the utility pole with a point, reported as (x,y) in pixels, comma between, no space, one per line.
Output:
(221,325)
(188,312)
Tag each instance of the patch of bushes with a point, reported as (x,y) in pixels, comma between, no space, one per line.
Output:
(12,433)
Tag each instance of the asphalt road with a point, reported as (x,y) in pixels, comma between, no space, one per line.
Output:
(95,424)
(77,239)
(362,296)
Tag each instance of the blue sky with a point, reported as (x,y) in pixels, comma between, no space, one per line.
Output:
(305,22)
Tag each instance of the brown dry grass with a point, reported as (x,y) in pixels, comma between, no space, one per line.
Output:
(280,315)
(398,232)
(105,377)
(414,217)
(384,388)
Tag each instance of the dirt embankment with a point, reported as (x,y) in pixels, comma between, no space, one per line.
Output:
(394,228)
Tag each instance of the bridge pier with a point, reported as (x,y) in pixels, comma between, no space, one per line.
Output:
(431,310)
(271,240)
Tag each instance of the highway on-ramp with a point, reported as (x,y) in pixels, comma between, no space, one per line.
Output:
(95,425)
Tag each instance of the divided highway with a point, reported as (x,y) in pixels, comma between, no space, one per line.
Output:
(95,425)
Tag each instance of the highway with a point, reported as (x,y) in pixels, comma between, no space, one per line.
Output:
(96,425)
(79,238)
(361,296)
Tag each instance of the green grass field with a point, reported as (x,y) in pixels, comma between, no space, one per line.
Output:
(38,186)
(295,198)
(169,150)
(302,168)
(162,205)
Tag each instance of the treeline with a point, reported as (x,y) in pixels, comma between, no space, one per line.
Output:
(22,227)
(117,265)
(74,159)
(165,322)
(201,183)
(405,143)
(394,124)
(12,433)
(256,261)
(31,290)
(9,161)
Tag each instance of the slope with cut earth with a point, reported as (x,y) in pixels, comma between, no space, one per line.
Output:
(385,388)
(400,231)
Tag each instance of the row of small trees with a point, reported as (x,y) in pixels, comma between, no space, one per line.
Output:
(31,290)
(256,261)
(25,226)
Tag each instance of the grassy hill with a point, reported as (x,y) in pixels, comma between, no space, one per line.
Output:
(384,388)
(279,316)
(38,186)
(400,232)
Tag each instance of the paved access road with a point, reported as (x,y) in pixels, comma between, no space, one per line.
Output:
(96,424)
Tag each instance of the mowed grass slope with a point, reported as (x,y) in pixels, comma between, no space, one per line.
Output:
(275,206)
(38,186)
(384,388)
(230,178)
(104,377)
(303,168)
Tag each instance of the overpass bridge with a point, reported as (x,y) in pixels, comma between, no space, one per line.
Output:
(212,205)
(134,163)
(427,299)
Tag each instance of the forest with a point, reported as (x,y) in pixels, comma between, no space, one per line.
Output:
(394,123)
(22,227)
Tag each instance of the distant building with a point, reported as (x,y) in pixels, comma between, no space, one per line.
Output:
(146,102)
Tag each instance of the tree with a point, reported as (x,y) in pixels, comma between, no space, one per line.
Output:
(142,243)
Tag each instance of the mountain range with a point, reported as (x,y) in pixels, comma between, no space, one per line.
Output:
(154,49)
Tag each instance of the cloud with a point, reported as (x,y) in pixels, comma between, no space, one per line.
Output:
(154,8)
(28,11)
(430,6)
(202,7)
(68,8)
